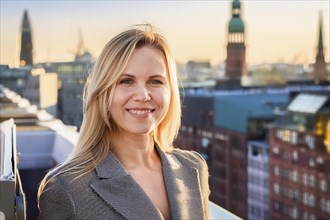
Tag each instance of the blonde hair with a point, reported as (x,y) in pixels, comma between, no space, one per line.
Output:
(98,129)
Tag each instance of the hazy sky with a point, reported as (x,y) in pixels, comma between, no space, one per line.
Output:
(277,31)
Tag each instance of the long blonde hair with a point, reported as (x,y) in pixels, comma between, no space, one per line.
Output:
(98,129)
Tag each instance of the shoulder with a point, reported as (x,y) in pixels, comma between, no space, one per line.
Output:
(59,178)
(189,158)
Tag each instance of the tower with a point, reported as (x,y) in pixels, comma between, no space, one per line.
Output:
(26,49)
(235,61)
(320,70)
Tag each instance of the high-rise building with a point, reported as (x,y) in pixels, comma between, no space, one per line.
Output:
(320,69)
(236,59)
(257,171)
(26,49)
(299,159)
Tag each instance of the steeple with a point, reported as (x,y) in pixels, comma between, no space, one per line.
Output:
(320,71)
(320,44)
(235,61)
(26,57)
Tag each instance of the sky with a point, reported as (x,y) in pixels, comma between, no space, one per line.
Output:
(276,30)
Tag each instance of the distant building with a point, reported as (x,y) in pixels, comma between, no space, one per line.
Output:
(320,69)
(26,47)
(219,125)
(299,159)
(33,83)
(71,81)
(198,70)
(236,58)
(258,187)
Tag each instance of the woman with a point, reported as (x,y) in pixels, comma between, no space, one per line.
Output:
(124,165)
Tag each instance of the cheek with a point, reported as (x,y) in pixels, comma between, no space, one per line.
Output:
(116,101)
(166,99)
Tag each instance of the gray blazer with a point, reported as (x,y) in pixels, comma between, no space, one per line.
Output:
(109,192)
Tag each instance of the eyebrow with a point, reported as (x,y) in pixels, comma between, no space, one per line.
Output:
(152,76)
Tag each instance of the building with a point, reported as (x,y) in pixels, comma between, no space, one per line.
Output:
(236,58)
(72,77)
(219,125)
(33,83)
(299,159)
(222,125)
(26,47)
(257,171)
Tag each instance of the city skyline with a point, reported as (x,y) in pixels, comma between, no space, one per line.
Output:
(276,31)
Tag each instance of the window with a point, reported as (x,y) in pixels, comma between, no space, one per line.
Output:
(323,185)
(325,205)
(276,170)
(276,150)
(294,194)
(308,216)
(308,199)
(205,142)
(293,139)
(311,162)
(295,156)
(276,188)
(294,176)
(183,128)
(305,179)
(276,206)
(310,141)
(294,213)
(311,181)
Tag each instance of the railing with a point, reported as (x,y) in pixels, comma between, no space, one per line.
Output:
(12,200)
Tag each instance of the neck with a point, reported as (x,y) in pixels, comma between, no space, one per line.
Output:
(136,151)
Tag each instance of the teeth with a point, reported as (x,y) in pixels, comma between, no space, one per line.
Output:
(139,112)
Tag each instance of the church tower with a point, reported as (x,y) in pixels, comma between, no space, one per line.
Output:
(320,69)
(26,49)
(236,61)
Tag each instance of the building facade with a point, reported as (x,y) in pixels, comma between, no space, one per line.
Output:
(71,81)
(299,159)
(257,171)
(219,125)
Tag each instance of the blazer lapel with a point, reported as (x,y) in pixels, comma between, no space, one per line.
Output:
(118,189)
(183,188)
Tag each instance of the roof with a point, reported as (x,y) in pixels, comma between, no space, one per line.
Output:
(307,103)
(233,111)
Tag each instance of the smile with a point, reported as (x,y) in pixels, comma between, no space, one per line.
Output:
(140,112)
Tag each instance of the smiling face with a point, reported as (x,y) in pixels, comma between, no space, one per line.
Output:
(142,93)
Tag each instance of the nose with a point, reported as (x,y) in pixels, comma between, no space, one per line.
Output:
(142,94)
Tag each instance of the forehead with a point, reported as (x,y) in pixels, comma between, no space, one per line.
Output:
(146,60)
